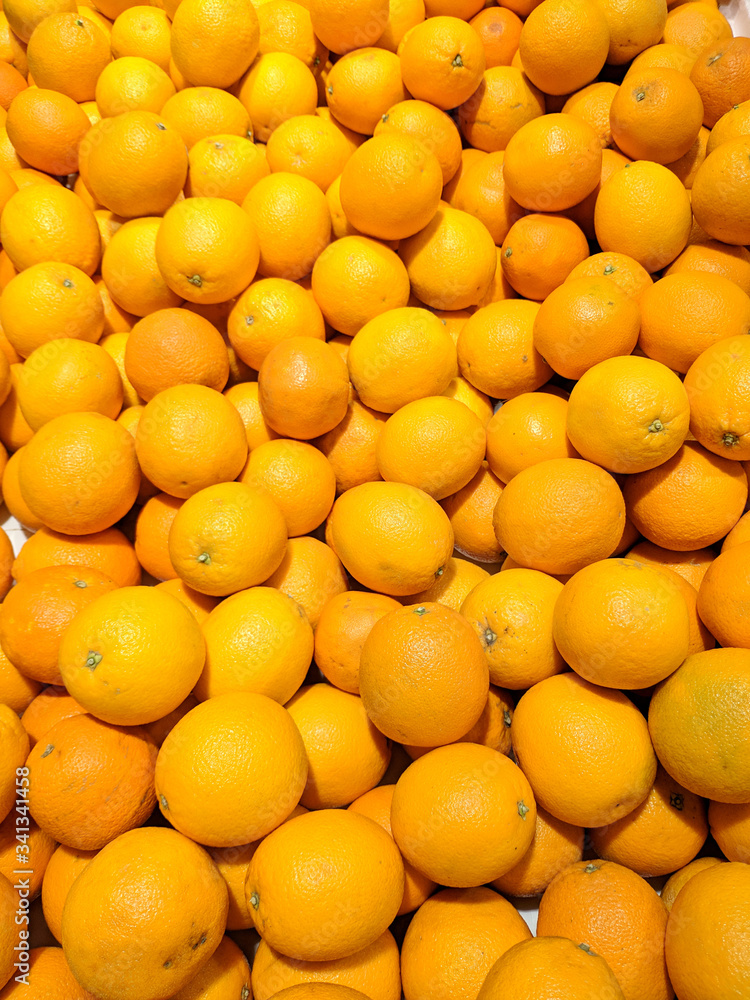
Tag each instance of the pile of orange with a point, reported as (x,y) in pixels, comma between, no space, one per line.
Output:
(375,435)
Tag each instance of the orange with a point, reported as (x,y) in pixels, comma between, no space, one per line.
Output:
(411,650)
(121,166)
(402,355)
(67,376)
(731,262)
(46,300)
(145,33)
(106,648)
(585,321)
(442,61)
(560,515)
(17,691)
(592,104)
(719,190)
(504,101)
(584,212)
(415,441)
(362,86)
(469,157)
(656,115)
(130,272)
(308,145)
(193,249)
(390,186)
(627,273)
(13,48)
(690,501)
(229,37)
(343,25)
(171,433)
(458,388)
(337,851)
(457,936)
(715,387)
(108,551)
(66,53)
(14,431)
(496,352)
(286,26)
(737,536)
(664,833)
(48,976)
(511,614)
(351,446)
(158,730)
(11,83)
(132,83)
(90,781)
(152,532)
(704,955)
(551,730)
(468,851)
(6,563)
(628,414)
(356,279)
(684,314)
(563,45)
(226,970)
(482,193)
(206,538)
(555,846)
(552,162)
(311,574)
(268,311)
(500,30)
(200,606)
(603,631)
(548,965)
(290,216)
(278,86)
(15,744)
(527,429)
(376,804)
(430,126)
(344,624)
(402,15)
(470,512)
(171,873)
(691,566)
(37,611)
(730,828)
(80,474)
(244,398)
(224,166)
(694,27)
(259,641)
(347,755)
(303,388)
(665,55)
(65,865)
(675,884)
(731,125)
(634,25)
(24,16)
(299,478)
(646,195)
(722,596)
(688,165)
(618,916)
(173,347)
(374,968)
(250,797)
(199,112)
(394,517)
(39,846)
(492,729)
(675,723)
(46,129)
(540,251)
(49,223)
(451,262)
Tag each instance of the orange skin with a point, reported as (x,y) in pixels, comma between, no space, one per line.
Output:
(199,605)
(311,574)
(534,239)
(411,649)
(14,429)
(362,86)
(277,87)
(198,112)
(592,104)
(142,33)
(36,613)
(504,101)
(41,847)
(584,213)
(46,128)
(310,145)
(442,61)
(470,512)
(428,124)
(722,595)
(16,690)
(676,883)
(555,846)
(109,551)
(730,828)
(691,565)
(500,31)
(455,938)
(482,193)
(527,429)
(705,494)
(287,28)
(718,418)
(731,125)
(229,43)
(719,189)
(656,115)
(719,258)
(49,977)
(268,311)
(556,68)
(376,804)
(92,782)
(130,273)
(692,926)
(226,165)
(351,446)
(492,728)
(67,54)
(152,535)
(604,904)
(344,624)
(551,732)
